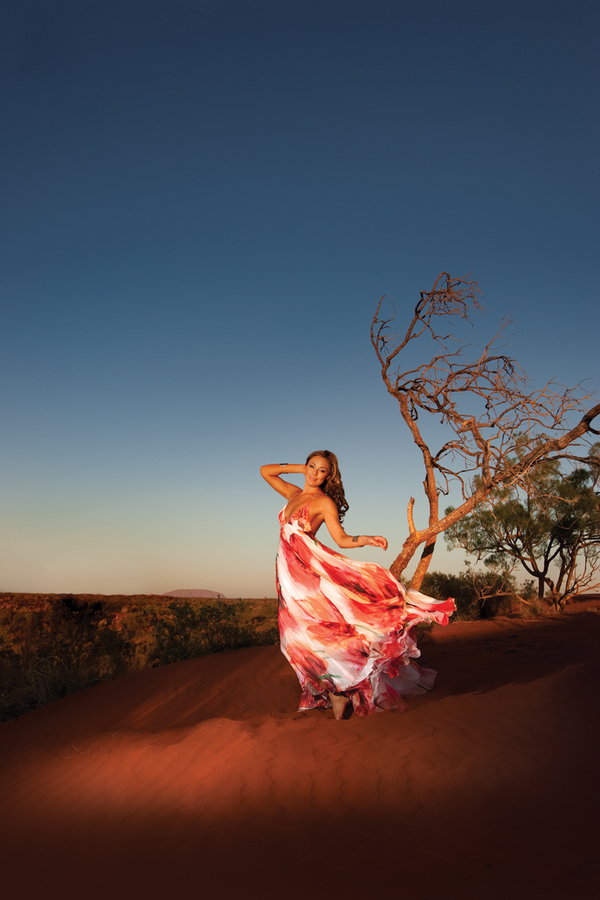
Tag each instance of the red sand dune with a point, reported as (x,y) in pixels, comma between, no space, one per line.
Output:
(201,779)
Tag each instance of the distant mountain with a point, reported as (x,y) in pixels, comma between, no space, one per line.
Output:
(213,595)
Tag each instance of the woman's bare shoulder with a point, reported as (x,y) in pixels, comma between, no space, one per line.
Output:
(322,503)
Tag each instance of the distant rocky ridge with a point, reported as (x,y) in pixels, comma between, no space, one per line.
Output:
(213,595)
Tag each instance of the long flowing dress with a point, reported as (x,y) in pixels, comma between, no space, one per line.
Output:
(345,625)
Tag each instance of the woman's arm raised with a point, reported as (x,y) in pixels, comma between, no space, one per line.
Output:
(329,511)
(272,472)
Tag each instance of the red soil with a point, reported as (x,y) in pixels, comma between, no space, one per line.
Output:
(201,779)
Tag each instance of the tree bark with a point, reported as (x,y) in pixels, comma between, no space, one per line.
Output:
(426,557)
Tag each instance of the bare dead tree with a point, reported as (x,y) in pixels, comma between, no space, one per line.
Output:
(486,405)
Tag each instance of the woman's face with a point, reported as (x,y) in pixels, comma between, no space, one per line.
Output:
(317,470)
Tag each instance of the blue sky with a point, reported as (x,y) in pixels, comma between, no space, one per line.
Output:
(201,204)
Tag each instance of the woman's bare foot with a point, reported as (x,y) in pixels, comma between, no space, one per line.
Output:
(340,704)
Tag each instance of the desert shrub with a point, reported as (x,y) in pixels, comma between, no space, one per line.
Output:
(53,645)
(442,586)
(48,653)
(186,631)
(478,595)
(528,603)
(532,609)
(528,590)
(260,617)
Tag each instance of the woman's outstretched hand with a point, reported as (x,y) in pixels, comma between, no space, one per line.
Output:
(376,540)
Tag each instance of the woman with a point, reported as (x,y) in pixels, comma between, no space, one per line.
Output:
(344,625)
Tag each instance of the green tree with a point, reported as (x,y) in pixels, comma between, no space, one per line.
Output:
(548,523)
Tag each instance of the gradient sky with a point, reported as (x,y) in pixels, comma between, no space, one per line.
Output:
(202,202)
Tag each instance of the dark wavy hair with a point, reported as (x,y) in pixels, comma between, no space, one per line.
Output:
(333,486)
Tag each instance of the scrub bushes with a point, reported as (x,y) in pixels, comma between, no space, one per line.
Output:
(182,631)
(48,653)
(478,595)
(52,646)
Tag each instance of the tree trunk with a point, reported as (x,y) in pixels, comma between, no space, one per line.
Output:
(409,549)
(417,579)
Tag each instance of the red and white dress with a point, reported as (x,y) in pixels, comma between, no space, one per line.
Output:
(345,625)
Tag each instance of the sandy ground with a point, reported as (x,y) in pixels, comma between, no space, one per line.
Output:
(200,779)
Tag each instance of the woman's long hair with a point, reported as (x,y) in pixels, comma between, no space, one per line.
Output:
(333,486)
